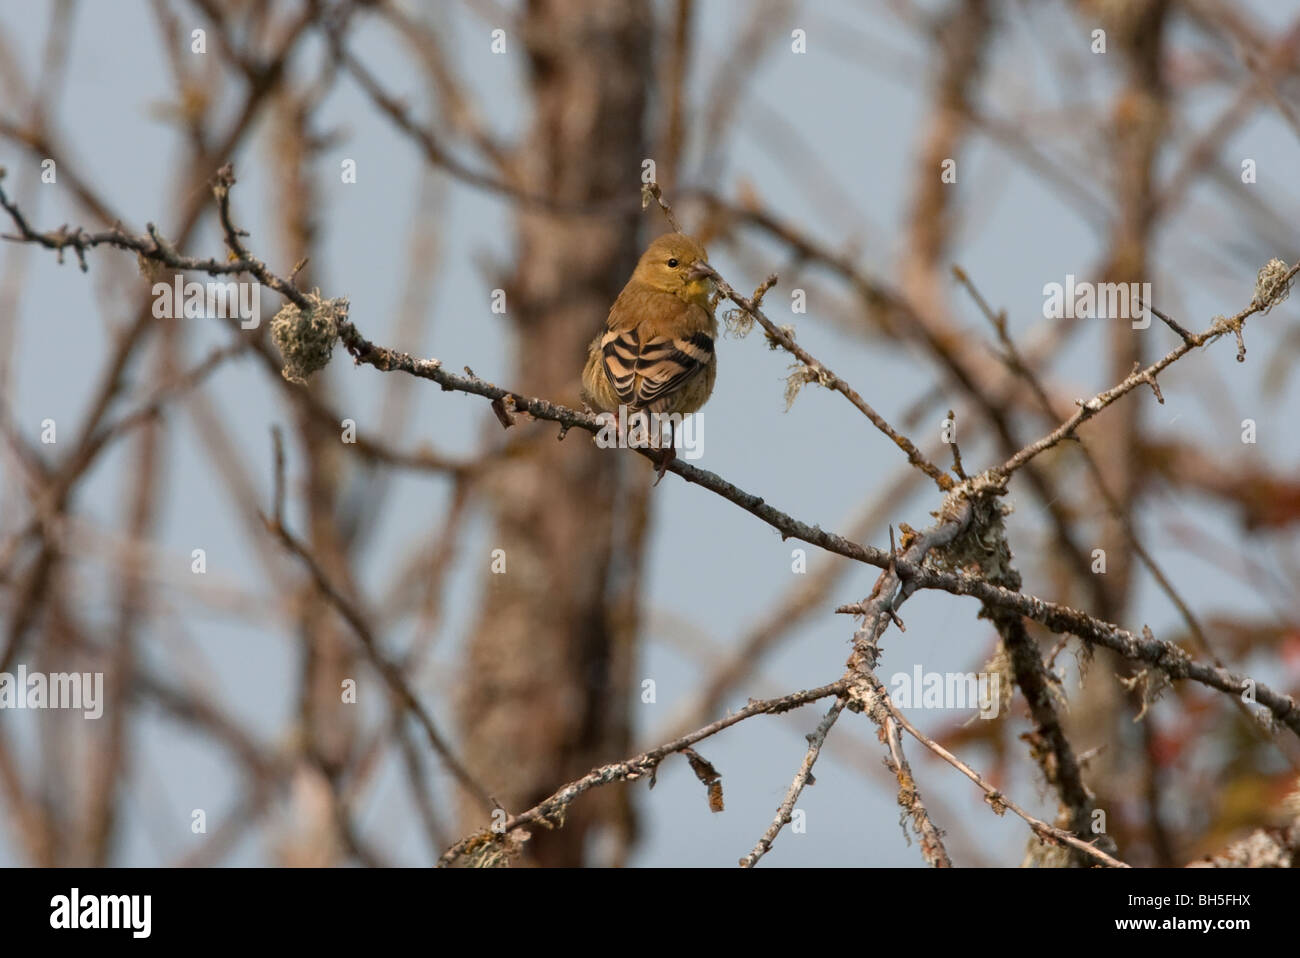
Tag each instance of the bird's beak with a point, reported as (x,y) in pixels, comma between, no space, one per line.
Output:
(698,274)
(697,284)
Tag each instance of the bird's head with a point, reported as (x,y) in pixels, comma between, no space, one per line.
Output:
(668,264)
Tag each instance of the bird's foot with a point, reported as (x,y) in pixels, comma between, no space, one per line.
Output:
(665,459)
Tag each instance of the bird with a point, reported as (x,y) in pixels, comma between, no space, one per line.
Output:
(655,351)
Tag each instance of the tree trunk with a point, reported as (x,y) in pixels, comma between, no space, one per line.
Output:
(545,691)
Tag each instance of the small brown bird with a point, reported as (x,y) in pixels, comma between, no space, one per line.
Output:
(655,353)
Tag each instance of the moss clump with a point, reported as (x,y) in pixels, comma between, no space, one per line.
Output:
(1271,286)
(306,337)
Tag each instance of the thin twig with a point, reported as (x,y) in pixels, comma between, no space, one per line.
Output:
(803,777)
(870,695)
(551,810)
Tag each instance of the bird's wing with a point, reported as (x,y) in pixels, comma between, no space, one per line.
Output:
(645,367)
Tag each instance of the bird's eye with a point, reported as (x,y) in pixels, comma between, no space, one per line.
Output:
(672,263)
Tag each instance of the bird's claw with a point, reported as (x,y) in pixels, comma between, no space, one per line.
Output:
(665,460)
